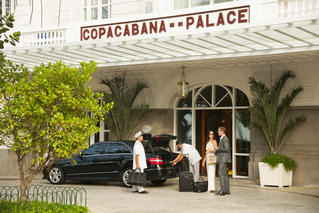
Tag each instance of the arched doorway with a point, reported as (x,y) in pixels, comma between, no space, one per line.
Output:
(209,106)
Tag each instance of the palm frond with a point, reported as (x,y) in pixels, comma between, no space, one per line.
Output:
(136,115)
(287,100)
(135,91)
(280,83)
(269,113)
(262,130)
(122,118)
(290,125)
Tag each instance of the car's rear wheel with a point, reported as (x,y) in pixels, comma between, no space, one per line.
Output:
(124,176)
(159,182)
(56,175)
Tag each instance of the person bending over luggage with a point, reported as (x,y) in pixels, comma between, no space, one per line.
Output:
(193,157)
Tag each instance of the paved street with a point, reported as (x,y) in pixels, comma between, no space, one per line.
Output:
(245,197)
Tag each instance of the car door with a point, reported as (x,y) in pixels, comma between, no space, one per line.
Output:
(86,166)
(117,154)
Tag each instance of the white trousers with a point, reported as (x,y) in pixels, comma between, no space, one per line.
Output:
(211,173)
(138,188)
(195,170)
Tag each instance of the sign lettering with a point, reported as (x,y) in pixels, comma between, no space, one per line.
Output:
(171,24)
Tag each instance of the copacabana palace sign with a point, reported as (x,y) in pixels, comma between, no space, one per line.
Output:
(169,24)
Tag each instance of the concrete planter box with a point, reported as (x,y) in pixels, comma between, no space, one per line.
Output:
(277,176)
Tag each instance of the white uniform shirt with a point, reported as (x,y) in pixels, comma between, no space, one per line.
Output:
(139,150)
(191,153)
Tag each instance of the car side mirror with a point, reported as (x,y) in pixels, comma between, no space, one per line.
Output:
(85,152)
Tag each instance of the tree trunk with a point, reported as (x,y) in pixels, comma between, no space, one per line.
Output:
(23,182)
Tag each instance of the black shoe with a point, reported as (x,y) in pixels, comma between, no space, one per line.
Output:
(218,193)
(144,192)
(227,193)
(222,194)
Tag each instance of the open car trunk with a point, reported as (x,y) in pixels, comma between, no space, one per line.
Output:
(159,145)
(162,140)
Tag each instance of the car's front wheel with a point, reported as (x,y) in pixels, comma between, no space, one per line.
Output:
(159,182)
(56,175)
(124,176)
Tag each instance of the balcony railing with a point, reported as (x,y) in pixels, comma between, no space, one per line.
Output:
(44,37)
(281,10)
(297,8)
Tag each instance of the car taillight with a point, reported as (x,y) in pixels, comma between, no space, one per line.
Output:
(156,161)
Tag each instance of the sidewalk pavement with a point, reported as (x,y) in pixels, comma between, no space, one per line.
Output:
(246,197)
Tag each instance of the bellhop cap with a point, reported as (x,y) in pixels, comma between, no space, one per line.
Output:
(138,134)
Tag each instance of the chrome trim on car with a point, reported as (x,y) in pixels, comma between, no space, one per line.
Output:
(88,173)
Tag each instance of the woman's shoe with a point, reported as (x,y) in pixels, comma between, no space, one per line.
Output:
(208,191)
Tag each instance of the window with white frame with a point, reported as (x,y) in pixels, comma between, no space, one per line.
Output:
(179,4)
(102,135)
(96,10)
(6,6)
(148,6)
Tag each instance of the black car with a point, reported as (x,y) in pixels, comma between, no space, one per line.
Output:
(111,161)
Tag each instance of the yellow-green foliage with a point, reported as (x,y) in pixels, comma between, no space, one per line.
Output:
(39,207)
(45,111)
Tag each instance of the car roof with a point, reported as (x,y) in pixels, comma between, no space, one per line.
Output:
(117,141)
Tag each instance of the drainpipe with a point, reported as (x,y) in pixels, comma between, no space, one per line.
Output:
(59,15)
(31,11)
(41,14)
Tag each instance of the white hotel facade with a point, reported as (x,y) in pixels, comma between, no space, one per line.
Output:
(221,43)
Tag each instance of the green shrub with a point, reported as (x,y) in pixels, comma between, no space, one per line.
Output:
(274,159)
(39,207)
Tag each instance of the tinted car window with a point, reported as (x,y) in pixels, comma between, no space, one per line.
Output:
(115,148)
(96,149)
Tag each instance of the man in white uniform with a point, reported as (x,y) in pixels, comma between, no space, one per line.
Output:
(139,160)
(193,157)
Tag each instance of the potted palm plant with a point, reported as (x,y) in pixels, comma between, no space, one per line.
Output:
(269,113)
(124,116)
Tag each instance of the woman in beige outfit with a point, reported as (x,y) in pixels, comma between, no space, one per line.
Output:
(211,148)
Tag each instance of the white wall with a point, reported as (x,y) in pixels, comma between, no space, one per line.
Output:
(162,79)
(71,11)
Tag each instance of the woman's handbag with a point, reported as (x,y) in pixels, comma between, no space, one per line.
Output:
(136,178)
(211,159)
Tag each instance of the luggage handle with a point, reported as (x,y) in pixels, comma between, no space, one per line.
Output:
(201,179)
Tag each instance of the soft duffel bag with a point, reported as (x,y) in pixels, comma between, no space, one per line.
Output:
(136,178)
(201,186)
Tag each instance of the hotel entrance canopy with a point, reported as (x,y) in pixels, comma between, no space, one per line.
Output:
(259,28)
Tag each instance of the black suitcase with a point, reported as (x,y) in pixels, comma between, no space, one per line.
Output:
(186,182)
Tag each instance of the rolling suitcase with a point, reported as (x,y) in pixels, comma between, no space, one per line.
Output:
(186,182)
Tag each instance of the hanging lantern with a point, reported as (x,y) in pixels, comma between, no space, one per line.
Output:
(183,85)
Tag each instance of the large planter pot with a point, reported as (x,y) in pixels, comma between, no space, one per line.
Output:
(277,176)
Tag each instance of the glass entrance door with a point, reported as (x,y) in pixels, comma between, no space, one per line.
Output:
(209,106)
(210,120)
(242,142)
